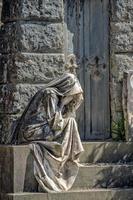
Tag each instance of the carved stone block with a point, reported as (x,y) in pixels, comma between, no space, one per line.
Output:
(29,68)
(32,37)
(32,9)
(128,104)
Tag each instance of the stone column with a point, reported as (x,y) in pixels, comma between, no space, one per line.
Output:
(121,55)
(31,47)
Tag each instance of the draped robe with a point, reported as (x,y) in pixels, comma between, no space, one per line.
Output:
(48,125)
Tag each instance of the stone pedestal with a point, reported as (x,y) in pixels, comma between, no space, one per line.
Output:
(31,47)
(16,170)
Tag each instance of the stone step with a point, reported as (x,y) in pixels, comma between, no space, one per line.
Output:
(107,152)
(19,174)
(95,194)
(104,176)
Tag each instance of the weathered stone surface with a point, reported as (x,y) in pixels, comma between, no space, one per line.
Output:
(30,68)
(36,37)
(122,37)
(122,10)
(32,9)
(119,64)
(128,104)
(14,98)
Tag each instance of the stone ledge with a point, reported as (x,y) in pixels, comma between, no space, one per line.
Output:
(30,68)
(32,37)
(99,194)
(32,9)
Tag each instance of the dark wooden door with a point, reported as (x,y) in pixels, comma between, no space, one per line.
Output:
(87,36)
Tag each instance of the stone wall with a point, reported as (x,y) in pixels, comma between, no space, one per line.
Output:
(121,35)
(32,43)
(31,47)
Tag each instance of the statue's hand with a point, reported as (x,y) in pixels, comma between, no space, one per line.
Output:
(66,100)
(58,122)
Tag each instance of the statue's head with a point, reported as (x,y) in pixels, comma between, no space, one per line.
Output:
(68,84)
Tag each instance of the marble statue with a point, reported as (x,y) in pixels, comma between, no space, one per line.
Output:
(48,125)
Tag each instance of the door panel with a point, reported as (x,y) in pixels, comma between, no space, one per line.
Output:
(74,40)
(87,36)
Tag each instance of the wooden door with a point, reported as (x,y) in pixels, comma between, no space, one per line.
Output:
(87,36)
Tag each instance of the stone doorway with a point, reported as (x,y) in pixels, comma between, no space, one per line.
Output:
(87,36)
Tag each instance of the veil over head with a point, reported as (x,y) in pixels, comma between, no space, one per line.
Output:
(66,85)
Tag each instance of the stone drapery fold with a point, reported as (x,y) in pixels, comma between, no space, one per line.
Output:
(48,124)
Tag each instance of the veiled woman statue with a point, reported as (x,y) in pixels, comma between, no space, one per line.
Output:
(48,125)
